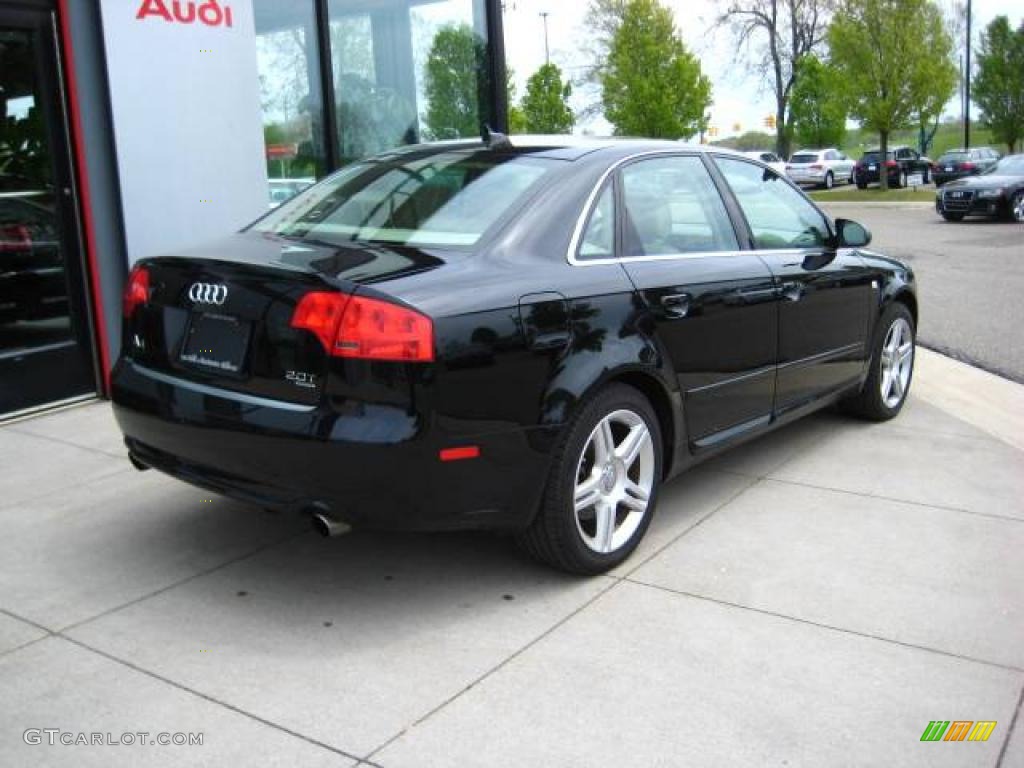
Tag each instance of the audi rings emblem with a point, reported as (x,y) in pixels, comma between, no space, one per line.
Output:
(208,293)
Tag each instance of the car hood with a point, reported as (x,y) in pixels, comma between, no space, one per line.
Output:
(985,181)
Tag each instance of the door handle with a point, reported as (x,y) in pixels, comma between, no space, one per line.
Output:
(753,296)
(676,304)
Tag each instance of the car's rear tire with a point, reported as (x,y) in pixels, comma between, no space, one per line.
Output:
(603,485)
(1017,207)
(862,185)
(830,180)
(953,216)
(891,367)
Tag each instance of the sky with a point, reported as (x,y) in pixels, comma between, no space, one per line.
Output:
(739,97)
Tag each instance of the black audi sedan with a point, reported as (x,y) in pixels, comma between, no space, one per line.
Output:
(526,336)
(998,192)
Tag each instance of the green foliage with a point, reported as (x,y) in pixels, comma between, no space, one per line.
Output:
(651,84)
(516,118)
(453,70)
(748,142)
(818,104)
(998,87)
(895,57)
(545,106)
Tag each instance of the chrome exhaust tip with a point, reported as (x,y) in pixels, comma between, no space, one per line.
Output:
(136,463)
(326,525)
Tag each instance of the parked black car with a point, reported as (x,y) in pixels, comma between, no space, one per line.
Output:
(903,162)
(958,163)
(997,192)
(528,338)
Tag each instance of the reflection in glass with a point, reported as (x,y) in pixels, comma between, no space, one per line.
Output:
(288,65)
(407,71)
(34,309)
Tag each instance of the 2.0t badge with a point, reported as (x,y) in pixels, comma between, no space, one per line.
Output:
(208,293)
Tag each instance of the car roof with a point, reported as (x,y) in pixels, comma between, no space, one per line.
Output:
(563,147)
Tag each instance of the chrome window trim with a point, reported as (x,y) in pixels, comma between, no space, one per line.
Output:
(588,207)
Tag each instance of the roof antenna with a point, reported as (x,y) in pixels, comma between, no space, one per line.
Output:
(493,139)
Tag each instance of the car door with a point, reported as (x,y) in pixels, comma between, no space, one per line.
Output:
(846,166)
(826,294)
(713,304)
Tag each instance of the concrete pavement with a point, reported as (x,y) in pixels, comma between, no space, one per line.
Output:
(814,598)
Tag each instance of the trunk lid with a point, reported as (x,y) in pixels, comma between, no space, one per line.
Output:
(221,314)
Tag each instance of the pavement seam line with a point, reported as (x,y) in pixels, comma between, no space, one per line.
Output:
(753,482)
(879,497)
(68,443)
(615,581)
(213,569)
(207,697)
(831,627)
(1009,731)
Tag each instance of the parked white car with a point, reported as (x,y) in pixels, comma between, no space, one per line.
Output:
(821,167)
(769,158)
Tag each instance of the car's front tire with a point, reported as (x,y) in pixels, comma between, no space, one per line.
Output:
(1017,207)
(830,180)
(892,367)
(603,485)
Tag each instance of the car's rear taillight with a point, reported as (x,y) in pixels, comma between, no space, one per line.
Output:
(136,291)
(364,328)
(967,166)
(890,163)
(15,238)
(816,167)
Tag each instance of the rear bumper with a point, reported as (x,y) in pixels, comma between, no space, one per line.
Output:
(370,465)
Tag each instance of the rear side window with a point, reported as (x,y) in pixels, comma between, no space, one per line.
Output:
(599,237)
(446,199)
(778,215)
(671,206)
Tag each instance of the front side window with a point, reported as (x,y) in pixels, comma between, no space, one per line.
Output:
(672,206)
(778,215)
(444,200)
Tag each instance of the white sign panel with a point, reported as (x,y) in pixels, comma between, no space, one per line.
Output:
(187,119)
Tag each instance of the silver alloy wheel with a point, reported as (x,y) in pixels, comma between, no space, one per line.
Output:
(614,481)
(897,361)
(829,180)
(1018,206)
(903,180)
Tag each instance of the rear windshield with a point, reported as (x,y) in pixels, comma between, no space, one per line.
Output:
(804,157)
(954,157)
(445,199)
(872,157)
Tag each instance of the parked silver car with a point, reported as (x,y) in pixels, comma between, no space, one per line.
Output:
(820,167)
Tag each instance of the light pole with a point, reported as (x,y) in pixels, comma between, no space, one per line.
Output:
(967,84)
(544,15)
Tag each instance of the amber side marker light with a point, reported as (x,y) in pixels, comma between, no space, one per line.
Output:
(461,453)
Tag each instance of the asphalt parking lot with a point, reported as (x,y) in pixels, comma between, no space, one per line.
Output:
(970,278)
(813,599)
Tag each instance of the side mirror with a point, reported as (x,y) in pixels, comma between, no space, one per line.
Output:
(850,234)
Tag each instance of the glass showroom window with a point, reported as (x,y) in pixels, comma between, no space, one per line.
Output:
(407,71)
(290,92)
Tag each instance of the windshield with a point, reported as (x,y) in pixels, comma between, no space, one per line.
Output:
(954,157)
(1011,165)
(443,199)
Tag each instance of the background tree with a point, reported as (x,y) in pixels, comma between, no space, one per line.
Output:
(516,118)
(603,19)
(545,105)
(998,87)
(894,56)
(818,104)
(651,84)
(776,35)
(453,83)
